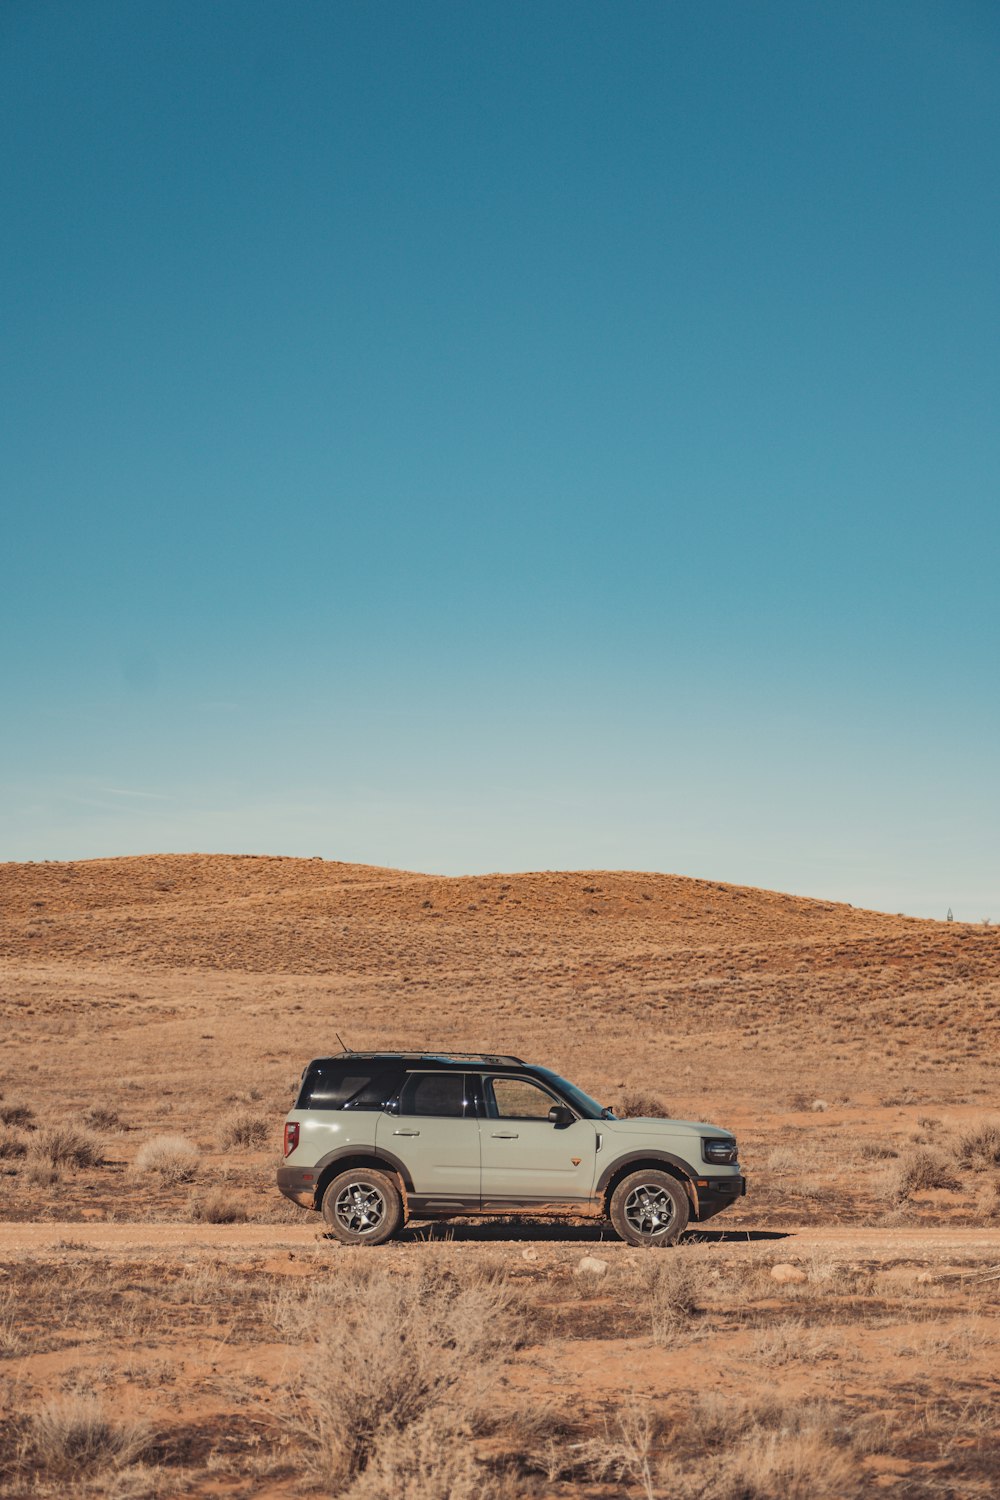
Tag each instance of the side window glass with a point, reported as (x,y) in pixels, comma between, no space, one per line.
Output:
(440,1094)
(517,1099)
(346,1086)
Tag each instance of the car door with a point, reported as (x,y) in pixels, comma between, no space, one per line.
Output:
(432,1130)
(527,1161)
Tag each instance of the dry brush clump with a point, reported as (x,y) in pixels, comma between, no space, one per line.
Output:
(172,1158)
(13,1143)
(244,1129)
(429,1460)
(754,1450)
(67,1146)
(670,1290)
(979,1146)
(17,1114)
(639,1105)
(219,1205)
(10,1333)
(74,1434)
(387,1353)
(101,1117)
(918,1169)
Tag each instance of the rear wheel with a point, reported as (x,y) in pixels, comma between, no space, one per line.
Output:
(363,1207)
(649,1208)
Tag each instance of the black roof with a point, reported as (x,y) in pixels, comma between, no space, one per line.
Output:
(441,1059)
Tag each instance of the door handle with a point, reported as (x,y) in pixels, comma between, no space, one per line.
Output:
(505,1135)
(406,1132)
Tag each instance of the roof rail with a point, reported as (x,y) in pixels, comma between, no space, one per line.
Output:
(504,1057)
(488,1057)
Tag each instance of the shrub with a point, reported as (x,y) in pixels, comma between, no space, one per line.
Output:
(626,1450)
(918,1169)
(429,1461)
(640,1106)
(99,1117)
(172,1157)
(10,1334)
(218,1206)
(802,1465)
(244,1128)
(74,1433)
(12,1142)
(386,1351)
(670,1291)
(877,1151)
(68,1146)
(979,1146)
(40,1170)
(17,1114)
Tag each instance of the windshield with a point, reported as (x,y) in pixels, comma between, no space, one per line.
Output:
(581,1102)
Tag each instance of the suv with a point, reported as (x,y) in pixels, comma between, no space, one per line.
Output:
(376,1138)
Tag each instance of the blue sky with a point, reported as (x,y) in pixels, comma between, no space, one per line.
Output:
(506,437)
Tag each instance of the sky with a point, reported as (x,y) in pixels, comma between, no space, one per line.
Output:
(505,436)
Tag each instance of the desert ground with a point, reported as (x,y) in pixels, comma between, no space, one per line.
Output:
(177,1328)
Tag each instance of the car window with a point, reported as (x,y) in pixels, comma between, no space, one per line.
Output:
(435,1094)
(332,1084)
(517,1099)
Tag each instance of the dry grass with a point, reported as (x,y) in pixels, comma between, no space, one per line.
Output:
(11,1341)
(13,1143)
(17,1114)
(638,1105)
(428,1460)
(877,1151)
(172,1158)
(219,1205)
(979,1146)
(919,1169)
(386,1351)
(245,1129)
(75,1433)
(669,1289)
(803,1465)
(101,1117)
(68,1146)
(626,1452)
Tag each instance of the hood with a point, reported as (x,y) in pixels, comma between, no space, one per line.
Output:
(652,1126)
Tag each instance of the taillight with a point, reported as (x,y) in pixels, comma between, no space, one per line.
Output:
(291,1136)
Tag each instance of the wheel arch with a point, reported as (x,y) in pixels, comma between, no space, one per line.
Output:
(351,1159)
(656,1161)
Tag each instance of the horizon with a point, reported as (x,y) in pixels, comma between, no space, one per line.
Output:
(482,439)
(512,874)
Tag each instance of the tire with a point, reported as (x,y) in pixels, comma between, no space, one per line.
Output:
(649,1208)
(362,1207)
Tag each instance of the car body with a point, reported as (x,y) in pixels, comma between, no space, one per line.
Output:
(377,1138)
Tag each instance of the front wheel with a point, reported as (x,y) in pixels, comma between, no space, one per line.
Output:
(362,1207)
(649,1208)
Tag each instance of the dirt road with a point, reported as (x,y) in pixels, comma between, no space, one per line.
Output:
(841,1242)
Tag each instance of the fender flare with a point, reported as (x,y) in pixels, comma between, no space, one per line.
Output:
(344,1153)
(682,1169)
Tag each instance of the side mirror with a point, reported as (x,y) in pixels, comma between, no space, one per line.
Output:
(560,1114)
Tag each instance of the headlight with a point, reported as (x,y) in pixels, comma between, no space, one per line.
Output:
(720,1151)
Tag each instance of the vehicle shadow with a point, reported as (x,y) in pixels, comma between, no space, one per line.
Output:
(497,1232)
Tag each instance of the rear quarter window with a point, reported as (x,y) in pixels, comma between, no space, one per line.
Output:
(348,1085)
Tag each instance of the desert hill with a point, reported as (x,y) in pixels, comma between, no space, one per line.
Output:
(620,939)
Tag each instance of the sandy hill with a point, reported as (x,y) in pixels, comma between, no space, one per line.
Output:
(584,941)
